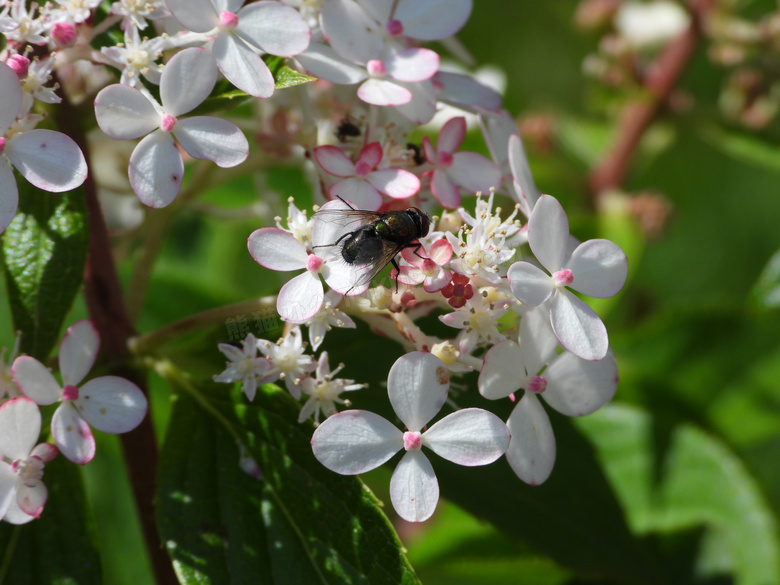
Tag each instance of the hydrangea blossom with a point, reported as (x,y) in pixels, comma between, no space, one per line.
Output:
(49,160)
(109,403)
(156,166)
(22,491)
(597,268)
(357,441)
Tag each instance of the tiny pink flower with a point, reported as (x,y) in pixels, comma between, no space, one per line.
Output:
(427,268)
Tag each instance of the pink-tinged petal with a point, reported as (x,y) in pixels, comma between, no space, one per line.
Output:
(72,434)
(8,483)
(395,183)
(530,284)
(410,275)
(465,92)
(521,171)
(537,338)
(429,151)
(20,425)
(474,172)
(355,441)
(371,155)
(323,62)
(277,249)
(417,387)
(444,189)
(576,387)
(274,28)
(124,113)
(9,194)
(45,452)
(31,500)
(381,92)
(187,80)
(350,31)
(78,351)
(531,452)
(577,327)
(156,170)
(10,97)
(438,281)
(36,381)
(49,160)
(470,436)
(214,139)
(243,67)
(599,268)
(14,514)
(502,372)
(334,161)
(548,233)
(412,64)
(414,489)
(111,404)
(300,298)
(361,193)
(440,252)
(432,20)
(451,135)
(422,106)
(195,15)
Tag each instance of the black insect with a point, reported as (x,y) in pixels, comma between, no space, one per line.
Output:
(370,240)
(347,129)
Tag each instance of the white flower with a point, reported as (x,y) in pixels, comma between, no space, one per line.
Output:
(288,359)
(324,391)
(156,167)
(244,366)
(326,318)
(109,403)
(597,268)
(49,160)
(135,12)
(137,57)
(22,491)
(356,441)
(478,321)
(648,24)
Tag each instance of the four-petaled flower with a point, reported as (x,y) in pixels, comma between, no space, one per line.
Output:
(357,441)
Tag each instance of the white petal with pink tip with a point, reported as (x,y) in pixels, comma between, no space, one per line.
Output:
(530,284)
(548,233)
(72,434)
(274,28)
(395,183)
(277,249)
(417,386)
(243,67)
(187,80)
(470,436)
(300,298)
(334,161)
(156,170)
(124,113)
(10,97)
(195,15)
(412,64)
(9,194)
(78,351)
(111,404)
(214,139)
(531,452)
(36,381)
(49,160)
(576,387)
(599,268)
(381,92)
(577,327)
(414,489)
(20,425)
(502,372)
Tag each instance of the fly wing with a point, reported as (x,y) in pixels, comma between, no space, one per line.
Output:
(335,220)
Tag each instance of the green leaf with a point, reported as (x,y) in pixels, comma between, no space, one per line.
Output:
(287,77)
(44,250)
(59,548)
(748,148)
(766,292)
(695,482)
(300,524)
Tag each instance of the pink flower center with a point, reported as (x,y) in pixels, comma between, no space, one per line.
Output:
(537,384)
(228,19)
(376,68)
(313,263)
(70,392)
(168,123)
(563,277)
(428,266)
(394,28)
(20,65)
(2,144)
(362,168)
(29,470)
(412,440)
(64,34)
(445,159)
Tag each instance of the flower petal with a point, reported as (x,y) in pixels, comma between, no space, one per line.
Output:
(323,62)
(352,33)
(187,80)
(277,249)
(576,387)
(474,172)
(334,161)
(502,372)
(548,233)
(531,452)
(20,425)
(78,351)
(470,437)
(414,489)
(432,20)
(156,170)
(355,441)
(72,434)
(381,92)
(243,67)
(577,327)
(525,187)
(529,283)
(9,194)
(10,97)
(195,15)
(124,113)
(31,500)
(300,298)
(412,64)
(214,139)
(451,135)
(36,381)
(14,514)
(417,386)
(599,268)
(395,183)
(274,28)
(360,192)
(111,404)
(444,189)
(8,484)
(49,160)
